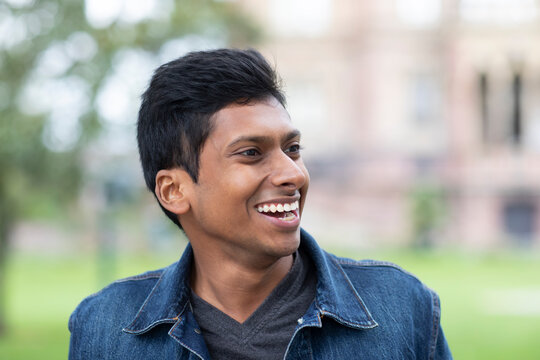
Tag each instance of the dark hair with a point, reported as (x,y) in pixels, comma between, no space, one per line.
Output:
(176,109)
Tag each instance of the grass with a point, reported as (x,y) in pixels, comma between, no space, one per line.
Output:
(491,303)
(42,291)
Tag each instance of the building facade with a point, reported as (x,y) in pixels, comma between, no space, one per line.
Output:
(420,118)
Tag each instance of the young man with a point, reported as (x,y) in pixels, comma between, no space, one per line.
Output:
(222,157)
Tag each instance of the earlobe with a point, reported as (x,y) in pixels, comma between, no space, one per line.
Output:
(172,190)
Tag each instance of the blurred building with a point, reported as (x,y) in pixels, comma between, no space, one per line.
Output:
(420,117)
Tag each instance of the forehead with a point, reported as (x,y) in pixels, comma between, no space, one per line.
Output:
(265,118)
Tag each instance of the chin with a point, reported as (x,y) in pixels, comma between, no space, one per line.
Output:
(289,245)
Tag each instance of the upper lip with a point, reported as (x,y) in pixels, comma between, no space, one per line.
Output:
(287,200)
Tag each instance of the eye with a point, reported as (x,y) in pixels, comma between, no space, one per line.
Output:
(293,150)
(249,152)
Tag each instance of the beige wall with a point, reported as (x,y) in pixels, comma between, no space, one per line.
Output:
(396,105)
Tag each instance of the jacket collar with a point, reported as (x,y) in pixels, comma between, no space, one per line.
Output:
(335,297)
(168,299)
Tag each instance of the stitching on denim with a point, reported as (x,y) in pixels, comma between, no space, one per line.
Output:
(148,328)
(180,341)
(145,302)
(297,331)
(308,343)
(348,323)
(357,296)
(319,317)
(341,320)
(368,263)
(435,324)
(175,319)
(375,263)
(153,275)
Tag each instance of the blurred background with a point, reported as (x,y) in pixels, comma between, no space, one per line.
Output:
(421,128)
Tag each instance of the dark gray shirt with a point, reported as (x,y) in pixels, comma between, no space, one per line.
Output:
(267,332)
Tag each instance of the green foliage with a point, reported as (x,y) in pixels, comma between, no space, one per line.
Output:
(427,212)
(37,179)
(29,167)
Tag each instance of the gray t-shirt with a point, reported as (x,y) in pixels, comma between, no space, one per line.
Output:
(267,332)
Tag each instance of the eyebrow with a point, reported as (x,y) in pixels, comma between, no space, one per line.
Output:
(263,138)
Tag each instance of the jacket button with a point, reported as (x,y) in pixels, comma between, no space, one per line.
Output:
(198,331)
(300,321)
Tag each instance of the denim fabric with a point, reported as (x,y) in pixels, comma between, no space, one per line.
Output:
(362,310)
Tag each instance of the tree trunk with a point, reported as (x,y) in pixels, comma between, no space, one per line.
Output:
(5,226)
(7,219)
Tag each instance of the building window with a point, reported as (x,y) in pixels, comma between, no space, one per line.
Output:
(483,87)
(501,12)
(308,107)
(425,98)
(519,220)
(501,111)
(418,13)
(517,126)
(307,18)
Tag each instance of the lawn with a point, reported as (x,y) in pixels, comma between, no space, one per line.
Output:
(491,303)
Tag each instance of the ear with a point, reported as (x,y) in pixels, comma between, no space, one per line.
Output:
(172,190)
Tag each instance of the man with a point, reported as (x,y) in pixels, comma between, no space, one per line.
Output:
(222,157)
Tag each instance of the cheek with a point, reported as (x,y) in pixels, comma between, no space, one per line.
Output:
(244,181)
(230,193)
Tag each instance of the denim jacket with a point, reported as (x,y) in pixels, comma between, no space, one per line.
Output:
(362,310)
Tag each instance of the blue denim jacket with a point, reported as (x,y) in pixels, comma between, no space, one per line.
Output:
(362,310)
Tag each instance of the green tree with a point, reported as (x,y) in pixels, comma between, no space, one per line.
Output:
(44,43)
(428,210)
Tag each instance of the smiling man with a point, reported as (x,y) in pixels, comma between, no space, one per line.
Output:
(222,157)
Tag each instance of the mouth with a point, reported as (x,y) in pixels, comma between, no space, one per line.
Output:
(284,211)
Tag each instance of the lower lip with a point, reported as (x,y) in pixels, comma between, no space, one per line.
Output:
(291,224)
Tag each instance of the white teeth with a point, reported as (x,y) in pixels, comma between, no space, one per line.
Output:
(278,207)
(289,217)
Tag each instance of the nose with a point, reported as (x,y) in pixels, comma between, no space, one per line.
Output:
(289,173)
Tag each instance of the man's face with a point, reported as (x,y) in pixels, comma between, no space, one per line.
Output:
(252,184)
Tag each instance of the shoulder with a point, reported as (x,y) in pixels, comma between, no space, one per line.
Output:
(113,306)
(381,280)
(398,301)
(376,271)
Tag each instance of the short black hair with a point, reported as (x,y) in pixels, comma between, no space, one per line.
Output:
(176,110)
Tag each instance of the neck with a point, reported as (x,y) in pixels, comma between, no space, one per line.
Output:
(237,289)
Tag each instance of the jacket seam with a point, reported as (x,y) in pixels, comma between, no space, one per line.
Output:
(435,324)
(153,275)
(374,264)
(144,305)
(181,342)
(369,263)
(372,323)
(124,280)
